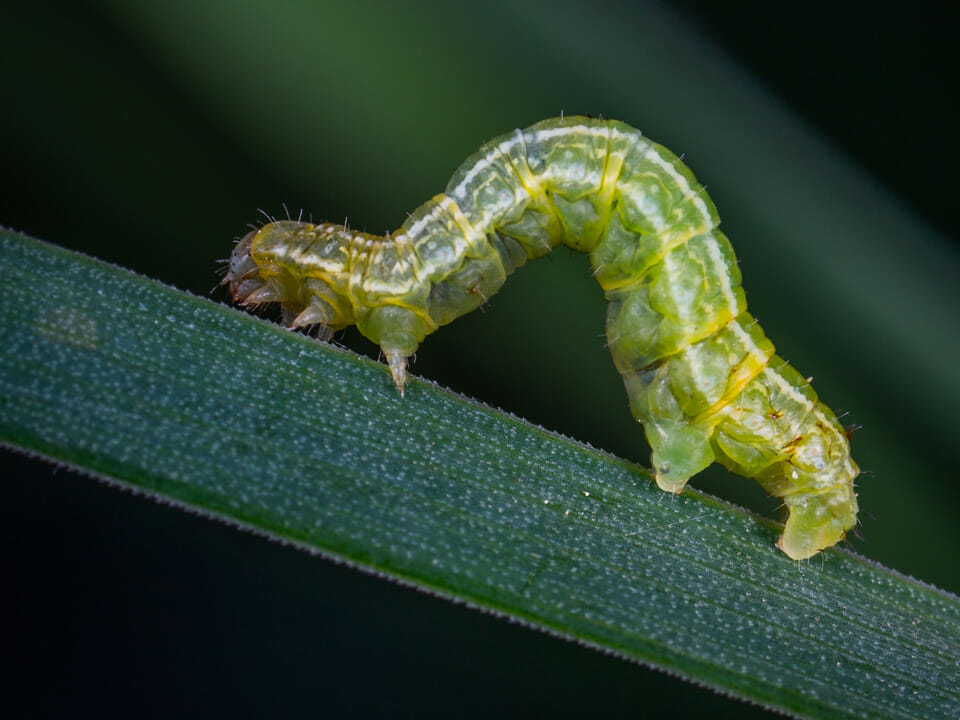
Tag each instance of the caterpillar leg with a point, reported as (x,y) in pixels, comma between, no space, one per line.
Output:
(398,330)
(680,451)
(398,369)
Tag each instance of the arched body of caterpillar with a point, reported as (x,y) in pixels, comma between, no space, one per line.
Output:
(700,374)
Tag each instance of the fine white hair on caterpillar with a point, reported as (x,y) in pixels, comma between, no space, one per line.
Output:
(701,376)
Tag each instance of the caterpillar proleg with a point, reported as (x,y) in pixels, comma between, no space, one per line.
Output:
(701,376)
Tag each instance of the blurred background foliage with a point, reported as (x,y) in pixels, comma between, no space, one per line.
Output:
(151,134)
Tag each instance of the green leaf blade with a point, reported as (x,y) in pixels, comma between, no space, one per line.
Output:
(207,407)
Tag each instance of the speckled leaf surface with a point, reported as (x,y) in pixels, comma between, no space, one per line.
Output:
(196,404)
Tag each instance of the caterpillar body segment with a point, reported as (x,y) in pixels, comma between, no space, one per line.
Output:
(701,376)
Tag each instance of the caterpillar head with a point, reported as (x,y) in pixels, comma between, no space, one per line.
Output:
(303,267)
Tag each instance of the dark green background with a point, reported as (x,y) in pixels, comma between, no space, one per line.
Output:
(149,134)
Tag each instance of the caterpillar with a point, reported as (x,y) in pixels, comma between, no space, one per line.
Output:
(700,375)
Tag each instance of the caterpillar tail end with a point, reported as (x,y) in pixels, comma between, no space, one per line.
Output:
(818,522)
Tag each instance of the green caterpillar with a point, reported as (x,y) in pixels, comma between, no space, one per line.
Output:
(701,376)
